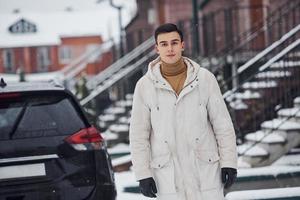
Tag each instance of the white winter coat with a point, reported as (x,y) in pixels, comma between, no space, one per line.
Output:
(181,141)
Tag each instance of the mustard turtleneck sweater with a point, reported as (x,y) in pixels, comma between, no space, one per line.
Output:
(175,74)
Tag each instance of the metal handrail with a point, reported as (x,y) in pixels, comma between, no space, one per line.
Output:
(85,56)
(116,77)
(103,75)
(261,55)
(250,36)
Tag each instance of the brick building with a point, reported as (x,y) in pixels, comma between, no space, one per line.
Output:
(219,21)
(38,43)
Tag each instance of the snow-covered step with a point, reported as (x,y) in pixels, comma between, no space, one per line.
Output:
(273,74)
(282,64)
(260,85)
(249,149)
(124,103)
(247,94)
(238,104)
(106,120)
(292,113)
(267,138)
(274,194)
(119,150)
(297,102)
(281,124)
(124,120)
(129,96)
(115,110)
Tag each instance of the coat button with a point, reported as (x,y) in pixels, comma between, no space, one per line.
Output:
(158,165)
(191,86)
(209,160)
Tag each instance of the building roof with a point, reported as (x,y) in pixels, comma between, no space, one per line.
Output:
(51,26)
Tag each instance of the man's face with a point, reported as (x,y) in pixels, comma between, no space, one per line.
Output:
(169,47)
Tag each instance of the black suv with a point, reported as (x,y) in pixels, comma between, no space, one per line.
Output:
(48,149)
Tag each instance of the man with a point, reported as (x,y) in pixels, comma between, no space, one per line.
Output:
(181,136)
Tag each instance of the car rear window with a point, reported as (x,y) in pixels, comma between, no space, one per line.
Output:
(38,116)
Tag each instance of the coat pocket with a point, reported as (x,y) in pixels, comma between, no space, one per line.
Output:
(208,169)
(164,174)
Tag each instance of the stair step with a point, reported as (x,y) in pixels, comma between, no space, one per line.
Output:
(280,124)
(238,105)
(263,137)
(247,94)
(249,150)
(283,64)
(297,102)
(260,85)
(273,74)
(289,112)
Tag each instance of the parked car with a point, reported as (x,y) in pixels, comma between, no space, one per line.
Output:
(48,149)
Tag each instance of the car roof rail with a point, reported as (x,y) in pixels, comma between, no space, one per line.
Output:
(2,83)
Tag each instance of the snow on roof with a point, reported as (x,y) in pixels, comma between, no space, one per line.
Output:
(35,77)
(51,26)
(280,124)
(289,112)
(264,193)
(273,137)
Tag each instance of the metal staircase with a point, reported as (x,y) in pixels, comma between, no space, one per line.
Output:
(123,67)
(267,85)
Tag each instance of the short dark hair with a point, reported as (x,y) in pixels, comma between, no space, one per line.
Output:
(167,28)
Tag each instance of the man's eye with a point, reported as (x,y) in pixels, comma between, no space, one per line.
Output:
(164,45)
(174,43)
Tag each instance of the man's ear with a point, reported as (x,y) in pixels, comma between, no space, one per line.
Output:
(182,45)
(156,49)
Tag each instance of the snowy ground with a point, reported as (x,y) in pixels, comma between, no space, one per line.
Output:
(126,179)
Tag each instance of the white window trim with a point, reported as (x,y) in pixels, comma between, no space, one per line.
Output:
(8,67)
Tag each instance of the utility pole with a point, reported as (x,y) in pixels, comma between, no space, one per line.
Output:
(120,26)
(195,24)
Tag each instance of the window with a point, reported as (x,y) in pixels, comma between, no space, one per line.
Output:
(65,54)
(38,116)
(43,59)
(8,60)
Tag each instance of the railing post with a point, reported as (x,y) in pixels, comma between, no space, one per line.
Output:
(195,28)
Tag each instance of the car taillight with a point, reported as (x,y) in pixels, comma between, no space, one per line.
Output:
(9,95)
(86,139)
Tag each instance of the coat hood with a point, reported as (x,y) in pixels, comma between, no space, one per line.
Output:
(155,75)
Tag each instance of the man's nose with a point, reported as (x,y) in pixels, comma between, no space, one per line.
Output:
(170,48)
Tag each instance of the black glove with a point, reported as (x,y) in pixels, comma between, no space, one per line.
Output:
(228,176)
(148,187)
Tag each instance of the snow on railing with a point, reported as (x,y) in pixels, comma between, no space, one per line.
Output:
(122,62)
(115,77)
